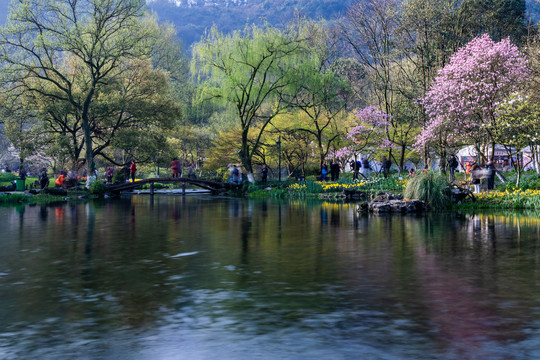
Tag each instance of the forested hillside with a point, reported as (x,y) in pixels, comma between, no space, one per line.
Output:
(191,18)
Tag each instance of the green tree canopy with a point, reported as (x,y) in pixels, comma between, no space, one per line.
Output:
(71,52)
(252,70)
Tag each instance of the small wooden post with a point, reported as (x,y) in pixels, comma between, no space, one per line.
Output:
(152,188)
(183,188)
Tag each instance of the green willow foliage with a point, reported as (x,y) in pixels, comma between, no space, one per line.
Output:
(258,72)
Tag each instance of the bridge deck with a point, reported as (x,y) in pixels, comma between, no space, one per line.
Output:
(205,184)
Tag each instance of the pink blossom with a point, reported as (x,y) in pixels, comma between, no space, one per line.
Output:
(462,101)
(369,132)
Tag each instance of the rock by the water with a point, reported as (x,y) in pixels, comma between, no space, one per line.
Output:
(387,196)
(55,191)
(356,195)
(333,196)
(398,206)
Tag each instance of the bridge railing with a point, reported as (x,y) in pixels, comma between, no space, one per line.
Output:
(205,184)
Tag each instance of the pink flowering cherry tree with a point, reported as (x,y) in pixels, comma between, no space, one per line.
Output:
(368,135)
(463,100)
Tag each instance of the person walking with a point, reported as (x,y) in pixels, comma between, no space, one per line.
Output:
(452,164)
(475,178)
(324,172)
(385,166)
(491,175)
(230,168)
(133,170)
(191,171)
(43,179)
(235,174)
(366,167)
(264,173)
(109,174)
(334,171)
(355,166)
(175,167)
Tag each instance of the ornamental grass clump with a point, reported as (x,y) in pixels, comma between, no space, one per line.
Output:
(431,188)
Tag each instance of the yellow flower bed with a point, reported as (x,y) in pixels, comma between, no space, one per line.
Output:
(506,193)
(339,187)
(297,187)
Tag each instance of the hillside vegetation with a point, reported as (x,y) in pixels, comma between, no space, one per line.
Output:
(192,20)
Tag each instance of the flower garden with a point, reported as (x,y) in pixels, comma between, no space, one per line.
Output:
(516,199)
(506,196)
(373,185)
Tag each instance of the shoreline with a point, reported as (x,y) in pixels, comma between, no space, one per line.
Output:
(494,200)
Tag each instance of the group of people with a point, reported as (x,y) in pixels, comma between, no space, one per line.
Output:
(69,179)
(335,169)
(476,174)
(362,166)
(236,175)
(63,179)
(176,168)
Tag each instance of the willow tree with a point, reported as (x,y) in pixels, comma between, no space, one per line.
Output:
(251,70)
(41,36)
(321,92)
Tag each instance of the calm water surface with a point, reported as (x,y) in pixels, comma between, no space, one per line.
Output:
(218,278)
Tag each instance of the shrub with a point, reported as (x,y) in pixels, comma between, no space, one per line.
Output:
(431,188)
(119,176)
(98,188)
(7,177)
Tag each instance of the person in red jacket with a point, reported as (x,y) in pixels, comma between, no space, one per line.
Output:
(175,167)
(133,170)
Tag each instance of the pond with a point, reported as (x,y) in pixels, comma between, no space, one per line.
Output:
(202,277)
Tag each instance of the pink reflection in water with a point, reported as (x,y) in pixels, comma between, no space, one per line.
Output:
(467,321)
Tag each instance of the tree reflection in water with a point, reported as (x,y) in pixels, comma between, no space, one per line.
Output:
(294,279)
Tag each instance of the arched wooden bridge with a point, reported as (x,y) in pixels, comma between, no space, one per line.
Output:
(213,186)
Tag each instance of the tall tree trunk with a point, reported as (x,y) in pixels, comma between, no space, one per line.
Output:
(245,157)
(402,157)
(21,164)
(89,151)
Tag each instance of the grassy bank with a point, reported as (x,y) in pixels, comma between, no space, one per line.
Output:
(22,198)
